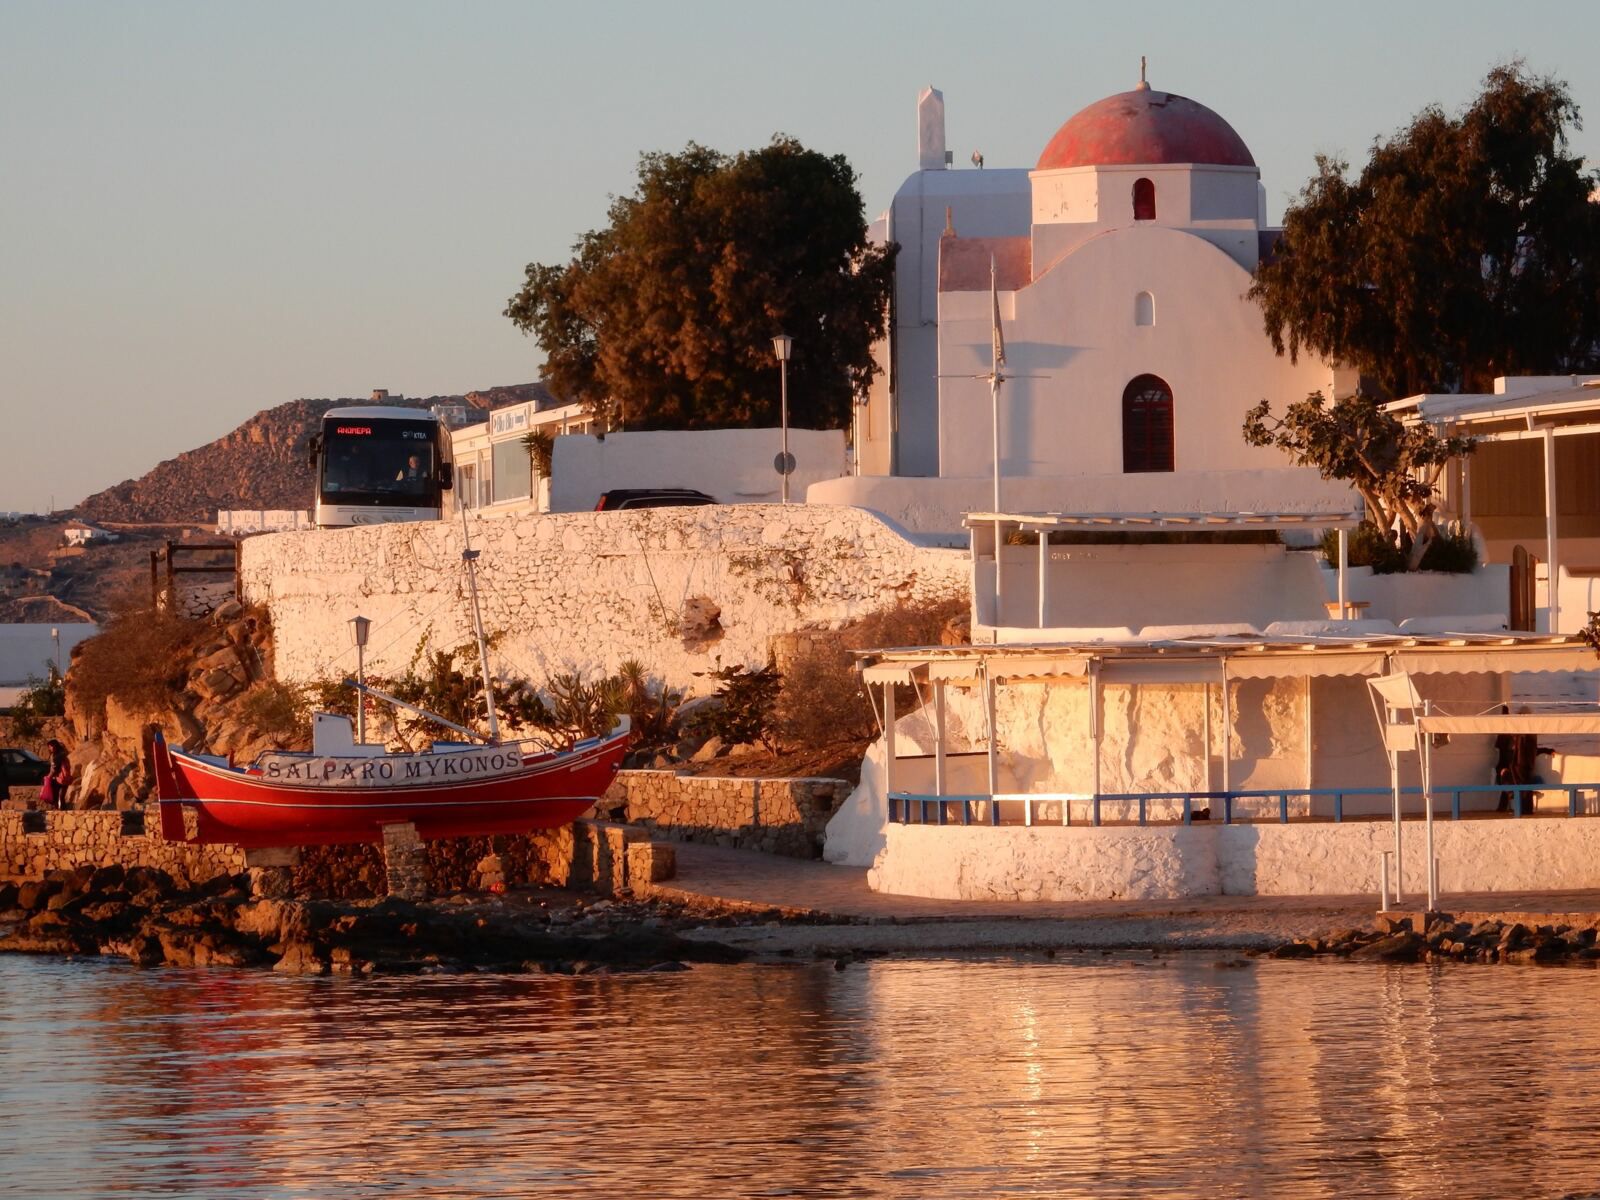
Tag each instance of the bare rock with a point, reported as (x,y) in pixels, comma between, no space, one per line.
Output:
(710,750)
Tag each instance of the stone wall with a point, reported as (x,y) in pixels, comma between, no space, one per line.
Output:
(775,816)
(1173,862)
(678,589)
(32,843)
(587,855)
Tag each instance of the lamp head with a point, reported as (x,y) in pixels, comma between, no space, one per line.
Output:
(358,630)
(782,346)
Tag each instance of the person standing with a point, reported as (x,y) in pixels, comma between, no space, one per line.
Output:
(53,792)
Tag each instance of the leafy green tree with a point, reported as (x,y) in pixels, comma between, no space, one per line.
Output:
(664,318)
(1467,248)
(1394,467)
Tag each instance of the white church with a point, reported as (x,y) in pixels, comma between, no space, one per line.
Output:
(1121,262)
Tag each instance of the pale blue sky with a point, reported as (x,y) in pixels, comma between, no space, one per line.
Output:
(209,209)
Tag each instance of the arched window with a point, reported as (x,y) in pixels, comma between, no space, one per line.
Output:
(1144,200)
(1147,425)
(1144,309)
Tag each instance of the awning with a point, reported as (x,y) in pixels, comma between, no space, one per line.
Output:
(1300,666)
(1052,667)
(1491,661)
(1176,670)
(1570,723)
(889,672)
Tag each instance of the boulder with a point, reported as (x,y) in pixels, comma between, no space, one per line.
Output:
(710,750)
(1397,947)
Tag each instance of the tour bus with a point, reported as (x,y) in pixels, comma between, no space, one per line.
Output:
(377,464)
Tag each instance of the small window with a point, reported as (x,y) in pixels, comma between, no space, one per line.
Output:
(1144,200)
(1147,425)
(1144,309)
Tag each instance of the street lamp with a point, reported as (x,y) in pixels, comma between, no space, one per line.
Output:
(358,630)
(55,635)
(783,346)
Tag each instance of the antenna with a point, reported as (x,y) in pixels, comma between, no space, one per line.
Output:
(469,556)
(1144,84)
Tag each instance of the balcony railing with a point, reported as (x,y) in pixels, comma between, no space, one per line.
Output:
(1270,806)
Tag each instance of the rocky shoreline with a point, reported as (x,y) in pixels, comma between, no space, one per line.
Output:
(1445,939)
(144,915)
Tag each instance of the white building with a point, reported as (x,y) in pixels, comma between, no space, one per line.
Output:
(492,463)
(81,533)
(1531,489)
(1121,265)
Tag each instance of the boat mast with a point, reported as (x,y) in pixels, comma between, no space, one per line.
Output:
(469,556)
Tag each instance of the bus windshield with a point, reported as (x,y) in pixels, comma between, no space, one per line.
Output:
(380,462)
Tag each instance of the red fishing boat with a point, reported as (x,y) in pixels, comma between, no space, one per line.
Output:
(343,792)
(346,790)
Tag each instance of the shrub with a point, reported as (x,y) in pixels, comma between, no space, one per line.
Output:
(823,699)
(745,708)
(652,711)
(573,708)
(278,711)
(1451,550)
(142,656)
(42,698)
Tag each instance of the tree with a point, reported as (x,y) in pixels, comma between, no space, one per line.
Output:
(1467,248)
(1395,467)
(664,319)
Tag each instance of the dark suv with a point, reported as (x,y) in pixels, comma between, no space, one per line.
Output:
(650,498)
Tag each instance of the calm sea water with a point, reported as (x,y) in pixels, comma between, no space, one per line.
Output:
(1079,1076)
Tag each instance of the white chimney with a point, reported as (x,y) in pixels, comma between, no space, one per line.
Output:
(930,130)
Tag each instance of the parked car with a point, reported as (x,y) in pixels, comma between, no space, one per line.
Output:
(19,768)
(650,498)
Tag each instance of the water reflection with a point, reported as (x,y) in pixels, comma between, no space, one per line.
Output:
(1076,1077)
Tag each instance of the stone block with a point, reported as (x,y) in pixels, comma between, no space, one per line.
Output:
(651,862)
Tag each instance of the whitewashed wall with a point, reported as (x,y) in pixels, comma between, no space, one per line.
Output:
(938,506)
(1174,862)
(1153,740)
(586,591)
(734,465)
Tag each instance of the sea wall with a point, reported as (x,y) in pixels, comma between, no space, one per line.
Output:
(678,589)
(776,816)
(34,843)
(587,855)
(1175,862)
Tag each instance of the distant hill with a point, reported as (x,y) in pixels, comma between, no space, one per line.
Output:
(261,464)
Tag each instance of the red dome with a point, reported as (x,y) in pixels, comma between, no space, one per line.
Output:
(1145,126)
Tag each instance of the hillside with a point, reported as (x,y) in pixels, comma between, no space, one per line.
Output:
(261,464)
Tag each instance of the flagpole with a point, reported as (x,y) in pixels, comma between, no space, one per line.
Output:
(998,358)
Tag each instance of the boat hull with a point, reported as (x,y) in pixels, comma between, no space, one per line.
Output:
(237,807)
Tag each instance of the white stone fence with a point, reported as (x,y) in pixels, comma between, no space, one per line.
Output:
(680,590)
(1174,862)
(236,521)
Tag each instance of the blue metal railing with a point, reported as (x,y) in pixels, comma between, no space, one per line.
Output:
(962,809)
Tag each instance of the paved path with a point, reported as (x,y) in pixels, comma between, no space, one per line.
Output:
(794,887)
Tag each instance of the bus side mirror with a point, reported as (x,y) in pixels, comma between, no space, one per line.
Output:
(447,475)
(313,450)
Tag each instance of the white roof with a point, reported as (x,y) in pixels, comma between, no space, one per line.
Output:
(1258,656)
(379,412)
(1479,406)
(1180,521)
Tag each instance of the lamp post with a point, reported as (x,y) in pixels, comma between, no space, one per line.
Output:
(55,635)
(783,346)
(358,630)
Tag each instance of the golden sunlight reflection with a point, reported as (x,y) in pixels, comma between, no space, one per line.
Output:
(1081,1076)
